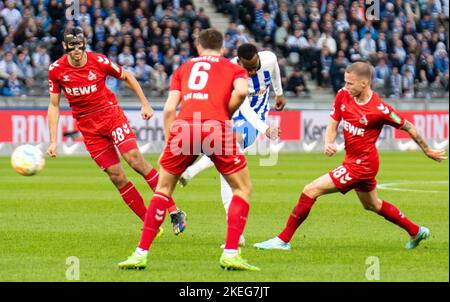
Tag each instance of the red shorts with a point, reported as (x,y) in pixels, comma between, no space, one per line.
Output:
(105,130)
(345,180)
(188,140)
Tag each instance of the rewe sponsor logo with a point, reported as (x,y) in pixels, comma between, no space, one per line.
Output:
(352,129)
(76,91)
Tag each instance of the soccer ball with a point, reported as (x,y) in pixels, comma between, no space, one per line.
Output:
(27,160)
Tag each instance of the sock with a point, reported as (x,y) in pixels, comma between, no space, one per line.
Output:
(152,179)
(140,251)
(171,208)
(230,253)
(226,192)
(154,218)
(202,164)
(237,218)
(392,214)
(133,199)
(298,215)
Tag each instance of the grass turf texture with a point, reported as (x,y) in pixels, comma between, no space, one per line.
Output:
(72,209)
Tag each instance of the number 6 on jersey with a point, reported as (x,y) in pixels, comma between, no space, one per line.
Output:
(198,78)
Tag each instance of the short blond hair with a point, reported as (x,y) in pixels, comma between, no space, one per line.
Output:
(361,69)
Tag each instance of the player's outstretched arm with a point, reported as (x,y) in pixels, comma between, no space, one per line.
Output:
(437,155)
(53,119)
(170,110)
(133,84)
(254,119)
(330,137)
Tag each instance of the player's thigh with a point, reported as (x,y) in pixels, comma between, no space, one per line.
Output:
(99,146)
(320,186)
(240,183)
(119,130)
(369,200)
(102,151)
(166,182)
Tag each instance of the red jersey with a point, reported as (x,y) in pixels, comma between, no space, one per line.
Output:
(362,125)
(84,87)
(206,84)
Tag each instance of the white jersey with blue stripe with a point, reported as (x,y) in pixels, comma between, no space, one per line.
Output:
(259,85)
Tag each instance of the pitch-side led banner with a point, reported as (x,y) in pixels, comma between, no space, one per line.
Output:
(31,126)
(432,125)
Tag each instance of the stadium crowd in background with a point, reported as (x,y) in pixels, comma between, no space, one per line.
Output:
(315,40)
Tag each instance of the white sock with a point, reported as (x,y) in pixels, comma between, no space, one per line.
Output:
(226,192)
(140,251)
(202,164)
(230,253)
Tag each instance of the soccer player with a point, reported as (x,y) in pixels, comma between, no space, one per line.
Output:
(102,123)
(363,115)
(210,89)
(251,116)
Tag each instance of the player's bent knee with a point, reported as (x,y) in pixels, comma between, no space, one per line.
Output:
(371,207)
(311,190)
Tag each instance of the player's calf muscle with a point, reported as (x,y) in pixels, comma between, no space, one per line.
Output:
(136,161)
(117,176)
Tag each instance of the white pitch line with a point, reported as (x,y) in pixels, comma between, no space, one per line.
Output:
(389,185)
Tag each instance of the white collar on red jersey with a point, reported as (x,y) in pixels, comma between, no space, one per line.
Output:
(367,101)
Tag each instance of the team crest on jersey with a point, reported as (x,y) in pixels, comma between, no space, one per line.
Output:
(342,107)
(92,76)
(66,78)
(364,120)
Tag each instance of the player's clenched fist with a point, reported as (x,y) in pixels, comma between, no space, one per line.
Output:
(51,150)
(273,132)
(146,111)
(330,149)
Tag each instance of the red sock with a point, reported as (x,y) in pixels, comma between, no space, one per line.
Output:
(133,199)
(392,214)
(237,217)
(298,215)
(153,219)
(171,206)
(152,179)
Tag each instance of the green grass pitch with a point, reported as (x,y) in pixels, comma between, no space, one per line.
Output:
(71,209)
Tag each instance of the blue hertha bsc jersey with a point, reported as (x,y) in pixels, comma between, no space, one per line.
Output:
(258,95)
